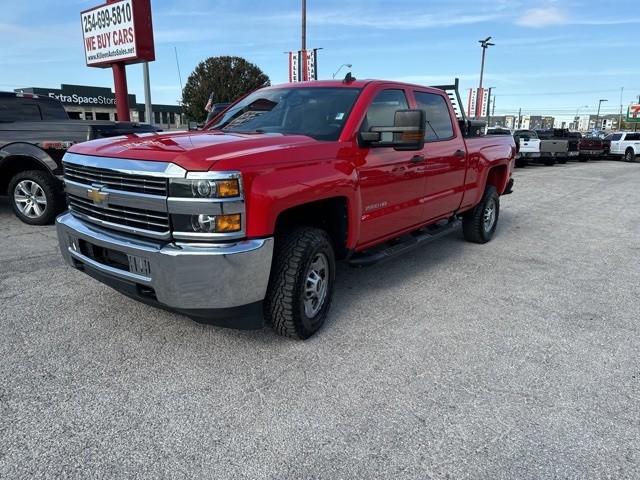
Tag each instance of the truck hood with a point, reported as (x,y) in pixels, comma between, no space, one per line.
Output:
(193,151)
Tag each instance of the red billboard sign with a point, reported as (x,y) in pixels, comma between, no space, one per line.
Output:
(118,32)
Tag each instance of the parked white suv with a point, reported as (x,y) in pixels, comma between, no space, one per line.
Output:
(625,145)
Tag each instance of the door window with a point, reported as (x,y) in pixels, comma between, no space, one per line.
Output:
(439,126)
(381,112)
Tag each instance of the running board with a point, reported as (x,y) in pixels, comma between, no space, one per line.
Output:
(387,252)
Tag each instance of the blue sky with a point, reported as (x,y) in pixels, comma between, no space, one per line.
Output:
(550,57)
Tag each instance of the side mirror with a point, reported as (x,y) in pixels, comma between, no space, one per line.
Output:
(407,132)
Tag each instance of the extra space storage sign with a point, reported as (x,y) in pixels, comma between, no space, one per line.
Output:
(118,32)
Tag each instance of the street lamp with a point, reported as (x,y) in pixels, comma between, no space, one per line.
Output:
(485,44)
(598,114)
(348,65)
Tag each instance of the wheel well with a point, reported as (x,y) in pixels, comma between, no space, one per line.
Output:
(329,215)
(16,164)
(497,177)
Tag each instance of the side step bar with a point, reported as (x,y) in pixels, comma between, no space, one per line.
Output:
(387,251)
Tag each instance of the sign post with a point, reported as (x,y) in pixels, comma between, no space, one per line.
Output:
(117,34)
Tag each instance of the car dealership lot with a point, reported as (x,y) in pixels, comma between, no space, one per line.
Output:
(514,359)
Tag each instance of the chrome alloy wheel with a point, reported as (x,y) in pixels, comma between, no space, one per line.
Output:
(489,215)
(316,284)
(30,199)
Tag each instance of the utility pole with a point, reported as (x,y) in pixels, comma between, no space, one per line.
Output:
(598,114)
(519,118)
(484,44)
(304,26)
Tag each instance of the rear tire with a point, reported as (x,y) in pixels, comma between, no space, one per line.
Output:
(521,162)
(549,162)
(629,156)
(479,225)
(301,283)
(35,197)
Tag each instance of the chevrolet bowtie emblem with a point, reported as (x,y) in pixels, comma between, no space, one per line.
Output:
(97,196)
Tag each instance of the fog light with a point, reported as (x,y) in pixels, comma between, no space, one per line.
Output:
(204,223)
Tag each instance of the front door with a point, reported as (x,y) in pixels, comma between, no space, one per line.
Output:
(391,182)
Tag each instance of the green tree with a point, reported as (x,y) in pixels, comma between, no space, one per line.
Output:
(228,77)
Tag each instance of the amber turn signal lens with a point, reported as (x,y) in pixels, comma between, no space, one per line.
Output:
(228,188)
(228,223)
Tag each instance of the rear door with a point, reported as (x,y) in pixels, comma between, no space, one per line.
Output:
(446,158)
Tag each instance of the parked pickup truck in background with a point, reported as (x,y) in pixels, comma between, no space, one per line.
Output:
(625,145)
(586,148)
(242,224)
(35,132)
(552,150)
(529,150)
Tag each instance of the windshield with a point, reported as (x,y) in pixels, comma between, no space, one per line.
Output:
(525,134)
(317,112)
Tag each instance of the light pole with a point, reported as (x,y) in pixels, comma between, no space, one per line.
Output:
(577,117)
(348,65)
(598,114)
(485,44)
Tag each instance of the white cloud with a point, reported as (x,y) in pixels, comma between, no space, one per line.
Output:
(542,17)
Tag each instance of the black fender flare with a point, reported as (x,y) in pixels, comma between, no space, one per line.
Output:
(20,149)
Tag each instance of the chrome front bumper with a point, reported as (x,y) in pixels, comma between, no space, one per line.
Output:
(190,278)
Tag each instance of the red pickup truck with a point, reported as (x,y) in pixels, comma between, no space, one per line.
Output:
(241,224)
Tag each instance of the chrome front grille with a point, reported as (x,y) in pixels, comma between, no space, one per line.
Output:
(130,217)
(121,194)
(115,180)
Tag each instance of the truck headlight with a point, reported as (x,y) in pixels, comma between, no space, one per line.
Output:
(204,188)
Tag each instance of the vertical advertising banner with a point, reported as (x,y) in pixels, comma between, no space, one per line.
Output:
(480,102)
(303,65)
(294,66)
(471,106)
(310,65)
(485,101)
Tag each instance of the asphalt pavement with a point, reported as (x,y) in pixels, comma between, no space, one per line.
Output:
(515,359)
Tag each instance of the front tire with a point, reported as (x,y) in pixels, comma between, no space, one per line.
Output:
(35,197)
(549,162)
(301,283)
(479,225)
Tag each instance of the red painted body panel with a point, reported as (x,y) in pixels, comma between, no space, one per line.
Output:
(387,193)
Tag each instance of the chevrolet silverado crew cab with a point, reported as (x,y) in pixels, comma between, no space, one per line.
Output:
(242,224)
(35,132)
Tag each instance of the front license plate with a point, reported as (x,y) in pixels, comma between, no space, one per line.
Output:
(139,265)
